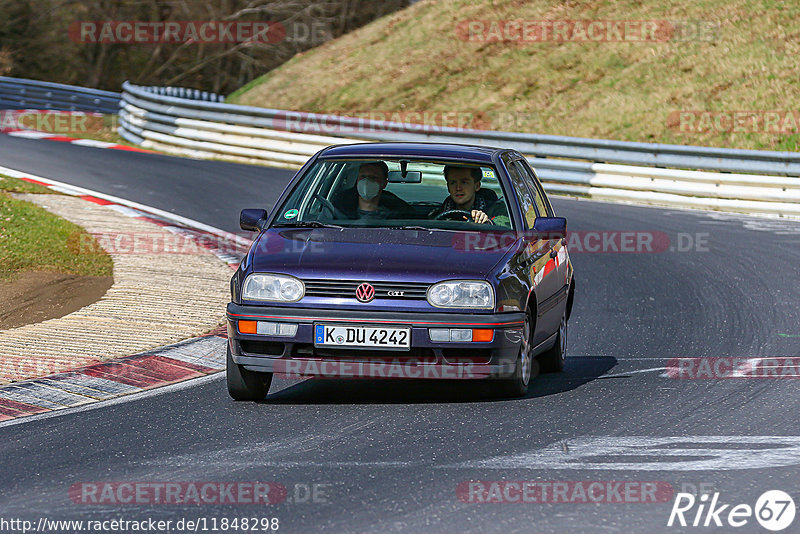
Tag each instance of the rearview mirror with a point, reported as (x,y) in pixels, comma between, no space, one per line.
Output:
(552,227)
(412,177)
(252,219)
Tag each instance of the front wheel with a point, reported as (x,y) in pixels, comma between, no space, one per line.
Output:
(552,361)
(517,385)
(244,385)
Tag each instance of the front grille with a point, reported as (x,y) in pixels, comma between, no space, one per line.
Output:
(346,289)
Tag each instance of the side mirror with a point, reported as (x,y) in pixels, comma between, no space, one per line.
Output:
(551,227)
(252,219)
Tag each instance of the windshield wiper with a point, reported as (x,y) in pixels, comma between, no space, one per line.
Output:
(411,227)
(422,228)
(307,224)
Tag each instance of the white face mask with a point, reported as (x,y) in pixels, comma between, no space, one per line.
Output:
(368,189)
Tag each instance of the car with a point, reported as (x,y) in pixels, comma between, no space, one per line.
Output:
(379,279)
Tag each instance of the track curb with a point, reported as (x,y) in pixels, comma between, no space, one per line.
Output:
(155,368)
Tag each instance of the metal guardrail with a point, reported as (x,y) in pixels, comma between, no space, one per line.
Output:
(184,92)
(568,165)
(17,93)
(543,146)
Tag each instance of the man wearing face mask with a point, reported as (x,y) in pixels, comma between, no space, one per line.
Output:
(368,199)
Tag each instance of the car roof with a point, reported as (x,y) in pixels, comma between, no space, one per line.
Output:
(413,150)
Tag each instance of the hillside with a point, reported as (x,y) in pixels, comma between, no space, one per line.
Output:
(734,56)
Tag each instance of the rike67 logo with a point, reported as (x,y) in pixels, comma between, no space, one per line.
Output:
(774,510)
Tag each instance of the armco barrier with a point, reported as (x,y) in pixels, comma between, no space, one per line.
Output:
(764,182)
(16,93)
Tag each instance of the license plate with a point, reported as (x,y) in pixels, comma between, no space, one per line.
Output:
(362,336)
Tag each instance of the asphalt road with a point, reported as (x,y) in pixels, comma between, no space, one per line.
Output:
(390,456)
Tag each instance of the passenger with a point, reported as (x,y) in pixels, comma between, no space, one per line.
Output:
(464,185)
(368,199)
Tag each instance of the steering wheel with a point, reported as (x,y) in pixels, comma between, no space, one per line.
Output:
(336,212)
(455,214)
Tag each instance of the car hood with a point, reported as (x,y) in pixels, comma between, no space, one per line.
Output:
(378,254)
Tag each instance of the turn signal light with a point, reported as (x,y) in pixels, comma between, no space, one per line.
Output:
(482,335)
(248,327)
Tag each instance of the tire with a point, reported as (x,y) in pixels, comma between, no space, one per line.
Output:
(552,361)
(244,385)
(517,385)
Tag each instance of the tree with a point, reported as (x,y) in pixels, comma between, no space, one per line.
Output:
(42,39)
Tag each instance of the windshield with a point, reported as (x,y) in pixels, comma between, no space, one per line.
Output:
(397,194)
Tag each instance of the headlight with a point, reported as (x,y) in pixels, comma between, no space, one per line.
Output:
(272,288)
(461,294)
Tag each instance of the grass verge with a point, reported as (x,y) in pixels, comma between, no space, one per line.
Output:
(725,56)
(33,239)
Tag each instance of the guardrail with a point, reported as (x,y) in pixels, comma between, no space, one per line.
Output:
(764,182)
(17,93)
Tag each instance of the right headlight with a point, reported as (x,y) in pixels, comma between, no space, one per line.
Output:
(475,294)
(272,288)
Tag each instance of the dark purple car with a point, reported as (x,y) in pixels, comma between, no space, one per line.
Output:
(402,260)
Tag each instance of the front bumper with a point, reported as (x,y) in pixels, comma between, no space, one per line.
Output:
(296,356)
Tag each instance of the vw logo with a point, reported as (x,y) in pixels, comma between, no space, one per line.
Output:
(365,292)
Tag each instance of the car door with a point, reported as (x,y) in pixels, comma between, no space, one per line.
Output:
(557,268)
(535,255)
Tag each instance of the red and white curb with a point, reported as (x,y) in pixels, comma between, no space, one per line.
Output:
(35,134)
(187,360)
(190,359)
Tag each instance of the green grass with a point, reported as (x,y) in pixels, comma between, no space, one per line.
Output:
(33,239)
(15,185)
(413,60)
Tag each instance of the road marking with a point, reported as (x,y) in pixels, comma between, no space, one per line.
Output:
(623,375)
(624,453)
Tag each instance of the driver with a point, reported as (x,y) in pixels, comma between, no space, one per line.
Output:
(368,199)
(464,185)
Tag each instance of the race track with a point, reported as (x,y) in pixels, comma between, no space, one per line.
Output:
(389,456)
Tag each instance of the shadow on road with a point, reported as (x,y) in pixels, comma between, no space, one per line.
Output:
(578,372)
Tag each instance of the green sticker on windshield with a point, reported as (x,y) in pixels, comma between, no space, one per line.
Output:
(488,173)
(291,214)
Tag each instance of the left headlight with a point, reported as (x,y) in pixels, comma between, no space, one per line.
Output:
(462,294)
(272,288)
